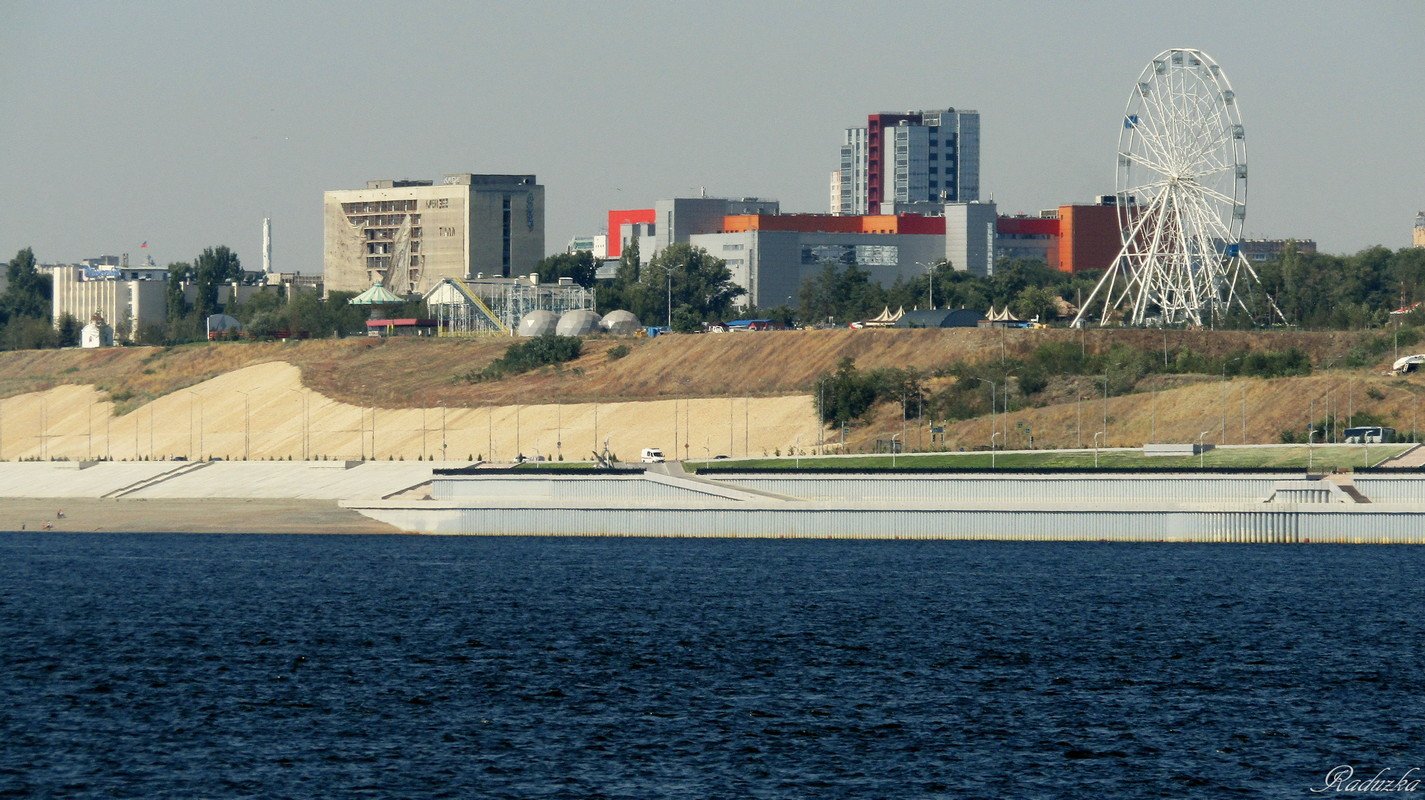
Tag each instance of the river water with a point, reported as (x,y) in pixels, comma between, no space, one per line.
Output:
(333,666)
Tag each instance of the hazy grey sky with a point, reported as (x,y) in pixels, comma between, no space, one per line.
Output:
(185,123)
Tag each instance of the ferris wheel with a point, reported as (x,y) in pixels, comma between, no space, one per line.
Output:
(1182,198)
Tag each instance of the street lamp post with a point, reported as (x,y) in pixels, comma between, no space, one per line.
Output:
(247,422)
(1310,447)
(1105,400)
(930,280)
(895,445)
(1224,396)
(1079,429)
(992,449)
(1153,430)
(1201,453)
(301,420)
(1096,436)
(992,405)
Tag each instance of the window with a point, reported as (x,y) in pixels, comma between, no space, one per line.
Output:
(934,170)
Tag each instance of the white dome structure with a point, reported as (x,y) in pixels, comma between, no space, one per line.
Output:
(538,323)
(621,323)
(581,322)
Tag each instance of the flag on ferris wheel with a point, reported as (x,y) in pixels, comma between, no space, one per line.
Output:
(145,244)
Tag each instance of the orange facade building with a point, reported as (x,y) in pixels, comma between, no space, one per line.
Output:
(1088,237)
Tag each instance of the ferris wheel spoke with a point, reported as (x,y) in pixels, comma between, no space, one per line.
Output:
(1158,119)
(1151,138)
(1156,166)
(1214,194)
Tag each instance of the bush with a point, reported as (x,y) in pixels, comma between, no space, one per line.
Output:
(618,352)
(530,354)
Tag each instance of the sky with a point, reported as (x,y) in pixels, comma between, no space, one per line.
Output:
(183,124)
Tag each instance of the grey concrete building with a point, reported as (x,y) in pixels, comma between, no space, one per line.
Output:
(677,219)
(410,234)
(970,231)
(772,264)
(918,156)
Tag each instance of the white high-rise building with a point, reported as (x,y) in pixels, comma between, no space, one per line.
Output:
(918,156)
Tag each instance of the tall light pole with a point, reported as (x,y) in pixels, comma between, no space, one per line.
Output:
(1310,447)
(1224,396)
(1106,368)
(1096,435)
(992,449)
(1153,426)
(191,395)
(992,409)
(894,447)
(1079,431)
(301,420)
(247,422)
(1242,393)
(821,416)
(1201,453)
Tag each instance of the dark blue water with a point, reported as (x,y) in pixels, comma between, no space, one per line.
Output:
(305,666)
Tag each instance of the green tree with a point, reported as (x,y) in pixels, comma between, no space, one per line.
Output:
(27,293)
(841,295)
(623,292)
(700,286)
(69,330)
(28,333)
(1036,301)
(179,273)
(580,266)
(213,268)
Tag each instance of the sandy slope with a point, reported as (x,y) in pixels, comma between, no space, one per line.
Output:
(279,418)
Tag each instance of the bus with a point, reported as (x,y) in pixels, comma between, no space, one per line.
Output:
(1369,434)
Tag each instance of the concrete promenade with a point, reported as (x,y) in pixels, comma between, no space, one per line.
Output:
(1288,507)
(202,496)
(385,496)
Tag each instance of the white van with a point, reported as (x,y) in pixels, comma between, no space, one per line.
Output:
(652,455)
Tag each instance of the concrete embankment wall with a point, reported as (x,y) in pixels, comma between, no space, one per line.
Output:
(1185,507)
(1226,523)
(194,480)
(1021,488)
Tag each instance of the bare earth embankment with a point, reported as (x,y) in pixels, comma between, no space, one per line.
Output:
(693,395)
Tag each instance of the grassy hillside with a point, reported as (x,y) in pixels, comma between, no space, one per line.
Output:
(409,373)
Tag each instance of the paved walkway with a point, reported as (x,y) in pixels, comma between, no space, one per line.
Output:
(1410,459)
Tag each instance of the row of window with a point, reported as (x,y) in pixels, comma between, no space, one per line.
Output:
(378,207)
